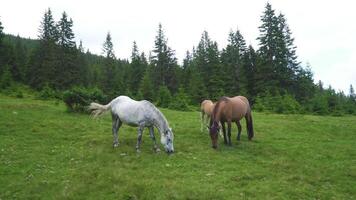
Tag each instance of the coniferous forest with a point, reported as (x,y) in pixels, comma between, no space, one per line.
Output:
(271,76)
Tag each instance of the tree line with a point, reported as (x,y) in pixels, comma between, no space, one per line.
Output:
(271,76)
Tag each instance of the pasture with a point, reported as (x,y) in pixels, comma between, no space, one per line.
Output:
(48,153)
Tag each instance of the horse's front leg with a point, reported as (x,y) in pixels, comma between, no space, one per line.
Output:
(224,132)
(229,132)
(152,135)
(139,137)
(202,122)
(239,128)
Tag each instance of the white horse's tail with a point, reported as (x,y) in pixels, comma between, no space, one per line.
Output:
(98,109)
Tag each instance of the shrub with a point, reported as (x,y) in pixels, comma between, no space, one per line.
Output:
(180,101)
(277,104)
(78,99)
(164,97)
(48,93)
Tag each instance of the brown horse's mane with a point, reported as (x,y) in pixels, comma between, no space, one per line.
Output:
(217,105)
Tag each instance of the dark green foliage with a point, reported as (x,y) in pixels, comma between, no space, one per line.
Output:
(146,87)
(271,77)
(6,78)
(164,97)
(47,93)
(232,60)
(164,63)
(277,103)
(78,99)
(180,101)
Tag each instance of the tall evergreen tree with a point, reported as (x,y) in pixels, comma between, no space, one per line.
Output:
(232,60)
(65,32)
(207,60)
(137,69)
(110,82)
(267,72)
(68,69)
(164,63)
(43,61)
(249,70)
(352,94)
(1,33)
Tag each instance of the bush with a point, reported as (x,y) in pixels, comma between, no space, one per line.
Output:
(277,104)
(78,99)
(164,97)
(48,93)
(180,101)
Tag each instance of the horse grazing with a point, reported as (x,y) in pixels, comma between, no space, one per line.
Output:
(139,114)
(230,110)
(206,109)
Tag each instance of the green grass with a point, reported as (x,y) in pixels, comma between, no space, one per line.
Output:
(48,153)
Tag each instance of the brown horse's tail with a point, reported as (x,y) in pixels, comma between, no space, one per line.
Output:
(249,125)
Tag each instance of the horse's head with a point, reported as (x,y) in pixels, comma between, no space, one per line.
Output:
(214,130)
(167,140)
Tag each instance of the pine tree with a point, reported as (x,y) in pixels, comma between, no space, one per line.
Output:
(207,60)
(137,69)
(108,48)
(48,30)
(109,81)
(68,69)
(267,72)
(352,94)
(65,32)
(1,33)
(249,71)
(146,86)
(44,60)
(164,63)
(232,61)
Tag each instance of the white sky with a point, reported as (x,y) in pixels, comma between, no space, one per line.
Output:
(324,31)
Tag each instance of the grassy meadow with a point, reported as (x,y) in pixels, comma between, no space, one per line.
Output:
(49,153)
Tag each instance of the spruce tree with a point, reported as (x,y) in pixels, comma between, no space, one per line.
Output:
(267,72)
(136,70)
(1,33)
(112,79)
(164,63)
(249,71)
(232,61)
(207,60)
(44,60)
(65,32)
(68,69)
(146,86)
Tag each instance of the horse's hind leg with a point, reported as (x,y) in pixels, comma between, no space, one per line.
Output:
(116,123)
(239,128)
(152,135)
(139,136)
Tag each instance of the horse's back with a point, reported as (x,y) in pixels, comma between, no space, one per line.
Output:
(207,106)
(239,106)
(128,110)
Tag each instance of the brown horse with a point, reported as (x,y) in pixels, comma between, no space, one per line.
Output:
(230,110)
(206,108)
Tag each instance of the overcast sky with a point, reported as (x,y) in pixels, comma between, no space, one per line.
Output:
(324,31)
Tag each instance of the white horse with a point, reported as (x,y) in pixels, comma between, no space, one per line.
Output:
(140,114)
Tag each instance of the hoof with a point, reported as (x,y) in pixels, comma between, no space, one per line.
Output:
(115,145)
(157,150)
(138,151)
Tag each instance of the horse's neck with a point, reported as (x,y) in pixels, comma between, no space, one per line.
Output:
(218,114)
(160,121)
